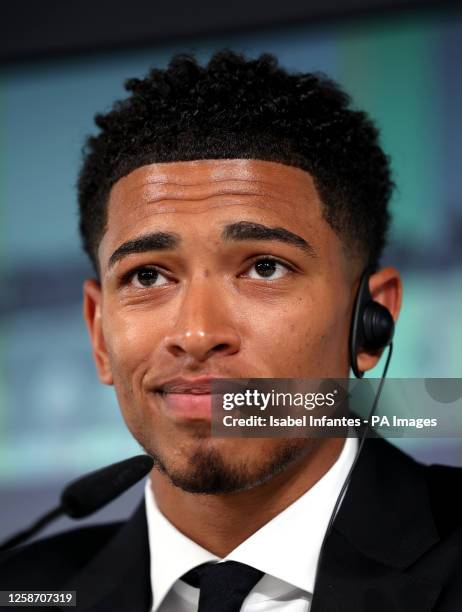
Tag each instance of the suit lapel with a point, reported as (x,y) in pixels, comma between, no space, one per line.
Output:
(351,582)
(118,577)
(383,528)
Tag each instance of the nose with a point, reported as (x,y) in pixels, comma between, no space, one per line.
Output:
(204,325)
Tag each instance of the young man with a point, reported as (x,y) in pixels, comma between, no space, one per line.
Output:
(230,211)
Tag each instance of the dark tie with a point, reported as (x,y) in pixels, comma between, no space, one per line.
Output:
(223,586)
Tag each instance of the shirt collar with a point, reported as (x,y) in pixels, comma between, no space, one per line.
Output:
(172,553)
(287,547)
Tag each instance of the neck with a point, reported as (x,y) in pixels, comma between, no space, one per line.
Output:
(206,519)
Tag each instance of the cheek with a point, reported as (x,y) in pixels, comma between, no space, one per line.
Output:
(130,339)
(305,339)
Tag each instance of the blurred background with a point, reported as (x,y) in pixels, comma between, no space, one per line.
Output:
(63,62)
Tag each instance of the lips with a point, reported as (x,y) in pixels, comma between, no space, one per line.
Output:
(183,407)
(185,400)
(198,386)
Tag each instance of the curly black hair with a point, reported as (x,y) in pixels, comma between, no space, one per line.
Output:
(235,107)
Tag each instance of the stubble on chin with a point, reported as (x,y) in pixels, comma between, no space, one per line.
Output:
(208,472)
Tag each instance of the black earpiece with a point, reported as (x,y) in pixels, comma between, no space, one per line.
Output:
(372,325)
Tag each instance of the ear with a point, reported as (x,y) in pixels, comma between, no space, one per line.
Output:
(386,288)
(92,297)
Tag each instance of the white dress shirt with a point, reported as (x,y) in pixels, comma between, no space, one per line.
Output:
(286,550)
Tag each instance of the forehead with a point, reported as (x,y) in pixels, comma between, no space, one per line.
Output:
(198,194)
(193,186)
(214,175)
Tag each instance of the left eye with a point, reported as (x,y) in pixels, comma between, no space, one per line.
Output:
(148,277)
(268,268)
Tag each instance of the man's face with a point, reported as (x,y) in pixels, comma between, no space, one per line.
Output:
(215,268)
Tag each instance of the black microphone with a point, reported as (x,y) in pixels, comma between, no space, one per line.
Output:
(89,493)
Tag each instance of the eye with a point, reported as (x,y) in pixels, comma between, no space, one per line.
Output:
(268,267)
(148,277)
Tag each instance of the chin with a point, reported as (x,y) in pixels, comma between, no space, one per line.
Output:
(217,465)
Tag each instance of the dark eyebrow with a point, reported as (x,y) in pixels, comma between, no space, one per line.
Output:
(242,230)
(246,230)
(156,241)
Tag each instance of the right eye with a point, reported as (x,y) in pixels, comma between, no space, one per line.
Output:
(148,277)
